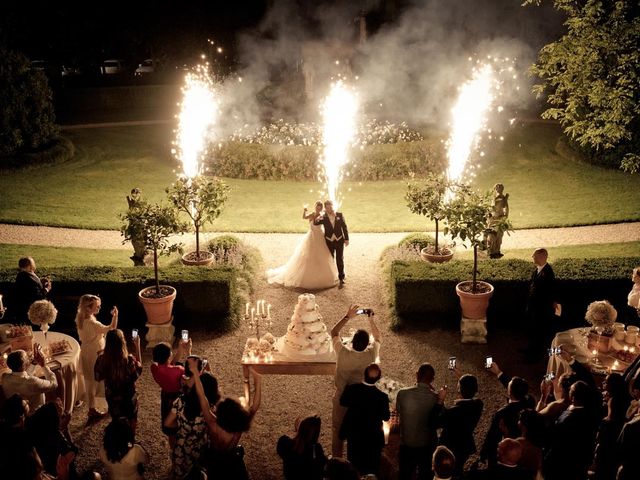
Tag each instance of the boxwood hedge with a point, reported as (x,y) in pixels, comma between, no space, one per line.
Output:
(206,297)
(423,294)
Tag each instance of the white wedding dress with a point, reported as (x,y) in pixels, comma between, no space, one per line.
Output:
(310,267)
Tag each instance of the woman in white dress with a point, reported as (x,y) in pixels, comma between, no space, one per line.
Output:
(311,266)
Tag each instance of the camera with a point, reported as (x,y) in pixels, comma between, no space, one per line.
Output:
(365,311)
(185,335)
(554,351)
(452,363)
(134,333)
(549,377)
(488,361)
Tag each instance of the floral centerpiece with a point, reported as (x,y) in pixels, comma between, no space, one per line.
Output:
(601,315)
(43,313)
(391,387)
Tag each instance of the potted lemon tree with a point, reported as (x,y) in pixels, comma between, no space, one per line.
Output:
(158,223)
(202,199)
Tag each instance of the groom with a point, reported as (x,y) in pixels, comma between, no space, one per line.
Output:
(335,234)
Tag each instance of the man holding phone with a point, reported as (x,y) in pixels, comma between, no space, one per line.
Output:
(351,360)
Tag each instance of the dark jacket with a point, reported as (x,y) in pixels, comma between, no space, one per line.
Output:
(339,228)
(28,288)
(367,407)
(627,450)
(308,465)
(542,292)
(458,424)
(503,472)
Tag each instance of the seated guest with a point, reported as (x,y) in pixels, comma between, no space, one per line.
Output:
(634,405)
(302,456)
(532,441)
(14,440)
(459,421)
(509,453)
(572,437)
(627,450)
(367,407)
(169,376)
(504,423)
(225,456)
(560,387)
(28,288)
(30,387)
(443,463)
(14,412)
(120,371)
(122,457)
(341,469)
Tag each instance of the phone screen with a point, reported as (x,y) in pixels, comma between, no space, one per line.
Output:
(134,333)
(185,335)
(360,311)
(487,362)
(452,363)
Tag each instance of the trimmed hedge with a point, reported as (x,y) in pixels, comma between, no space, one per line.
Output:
(424,294)
(59,150)
(207,297)
(299,162)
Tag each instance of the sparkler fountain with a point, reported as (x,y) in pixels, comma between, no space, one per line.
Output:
(339,111)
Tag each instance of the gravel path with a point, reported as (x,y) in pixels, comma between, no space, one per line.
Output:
(287,397)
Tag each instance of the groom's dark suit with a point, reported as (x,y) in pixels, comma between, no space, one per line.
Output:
(335,236)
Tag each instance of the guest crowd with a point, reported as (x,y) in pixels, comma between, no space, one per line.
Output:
(571,429)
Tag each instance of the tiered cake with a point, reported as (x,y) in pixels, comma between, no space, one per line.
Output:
(307,338)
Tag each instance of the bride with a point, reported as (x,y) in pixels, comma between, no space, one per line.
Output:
(311,266)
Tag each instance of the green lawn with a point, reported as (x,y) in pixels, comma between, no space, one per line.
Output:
(90,191)
(596,250)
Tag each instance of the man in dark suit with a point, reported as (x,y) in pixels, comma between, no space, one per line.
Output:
(336,235)
(367,407)
(541,306)
(509,454)
(28,288)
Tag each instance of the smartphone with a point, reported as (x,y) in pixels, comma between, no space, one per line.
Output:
(452,363)
(134,333)
(185,335)
(549,377)
(364,311)
(487,362)
(205,362)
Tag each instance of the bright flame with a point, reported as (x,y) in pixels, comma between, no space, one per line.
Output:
(469,118)
(197,117)
(339,118)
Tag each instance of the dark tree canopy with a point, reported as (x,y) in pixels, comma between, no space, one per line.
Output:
(591,76)
(27,120)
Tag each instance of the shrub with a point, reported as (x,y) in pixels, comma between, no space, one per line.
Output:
(417,241)
(58,150)
(27,121)
(424,294)
(231,251)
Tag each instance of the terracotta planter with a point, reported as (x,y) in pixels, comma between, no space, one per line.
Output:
(474,305)
(205,258)
(158,310)
(428,255)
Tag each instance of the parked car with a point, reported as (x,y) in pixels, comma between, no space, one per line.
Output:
(112,67)
(145,68)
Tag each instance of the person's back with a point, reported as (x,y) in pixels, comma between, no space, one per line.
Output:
(302,456)
(122,458)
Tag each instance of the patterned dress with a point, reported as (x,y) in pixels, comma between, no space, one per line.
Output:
(191,439)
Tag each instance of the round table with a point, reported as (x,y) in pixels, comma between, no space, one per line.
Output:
(65,366)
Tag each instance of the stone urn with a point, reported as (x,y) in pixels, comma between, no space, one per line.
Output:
(158,307)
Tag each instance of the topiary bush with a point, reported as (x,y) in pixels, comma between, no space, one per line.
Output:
(27,122)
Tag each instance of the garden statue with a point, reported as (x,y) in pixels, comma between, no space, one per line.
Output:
(498,216)
(137,238)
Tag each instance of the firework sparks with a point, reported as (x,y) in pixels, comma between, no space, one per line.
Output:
(197,118)
(339,120)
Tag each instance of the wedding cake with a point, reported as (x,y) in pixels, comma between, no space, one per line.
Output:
(307,337)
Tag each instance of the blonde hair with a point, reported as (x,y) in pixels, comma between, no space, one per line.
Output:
(84,305)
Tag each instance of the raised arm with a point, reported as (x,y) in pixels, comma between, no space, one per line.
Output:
(204,403)
(351,313)
(114,318)
(375,331)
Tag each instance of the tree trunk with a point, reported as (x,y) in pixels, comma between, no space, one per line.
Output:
(197,242)
(474,285)
(155,269)
(437,249)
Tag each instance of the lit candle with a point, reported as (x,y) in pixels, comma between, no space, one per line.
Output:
(1,306)
(616,364)
(253,313)
(626,349)
(264,311)
(632,350)
(246,310)
(594,352)
(386,428)
(269,310)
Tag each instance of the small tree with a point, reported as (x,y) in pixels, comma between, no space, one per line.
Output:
(157,223)
(467,215)
(428,198)
(201,198)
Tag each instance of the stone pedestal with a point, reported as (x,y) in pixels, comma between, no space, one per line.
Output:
(473,330)
(159,333)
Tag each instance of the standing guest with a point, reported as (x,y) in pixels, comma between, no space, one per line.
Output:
(91,333)
(367,407)
(231,419)
(627,450)
(572,437)
(187,420)
(122,457)
(633,299)
(168,375)
(418,436)
(28,288)
(509,453)
(459,421)
(30,387)
(532,441)
(302,456)
(350,363)
(550,411)
(120,370)
(540,306)
(443,463)
(634,405)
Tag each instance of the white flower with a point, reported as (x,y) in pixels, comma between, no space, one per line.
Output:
(601,314)
(42,312)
